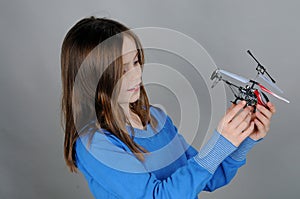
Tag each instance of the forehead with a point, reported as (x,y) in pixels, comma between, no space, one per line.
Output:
(128,49)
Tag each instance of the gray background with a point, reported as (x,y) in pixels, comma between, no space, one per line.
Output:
(31,139)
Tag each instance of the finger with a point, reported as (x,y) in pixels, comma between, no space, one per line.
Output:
(230,115)
(248,131)
(262,118)
(240,117)
(264,111)
(271,107)
(244,124)
(259,125)
(231,107)
(251,108)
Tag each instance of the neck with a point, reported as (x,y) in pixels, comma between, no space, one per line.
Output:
(132,117)
(126,110)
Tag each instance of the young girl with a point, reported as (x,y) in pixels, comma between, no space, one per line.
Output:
(127,148)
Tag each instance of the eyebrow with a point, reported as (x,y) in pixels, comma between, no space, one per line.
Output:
(125,64)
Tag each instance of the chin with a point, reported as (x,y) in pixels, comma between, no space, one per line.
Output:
(134,98)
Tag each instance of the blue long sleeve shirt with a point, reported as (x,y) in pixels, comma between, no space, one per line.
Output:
(172,169)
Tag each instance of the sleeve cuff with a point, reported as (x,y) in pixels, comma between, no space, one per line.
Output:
(214,152)
(241,152)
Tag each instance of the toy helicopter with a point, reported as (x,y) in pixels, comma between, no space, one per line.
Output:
(253,92)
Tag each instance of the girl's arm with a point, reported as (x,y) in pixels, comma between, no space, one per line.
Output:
(135,182)
(228,168)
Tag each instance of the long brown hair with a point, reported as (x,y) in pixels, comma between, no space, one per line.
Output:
(90,70)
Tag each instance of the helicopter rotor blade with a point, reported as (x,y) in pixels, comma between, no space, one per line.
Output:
(274,94)
(235,76)
(215,74)
(216,77)
(270,82)
(216,81)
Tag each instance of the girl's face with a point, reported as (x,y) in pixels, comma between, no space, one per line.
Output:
(132,74)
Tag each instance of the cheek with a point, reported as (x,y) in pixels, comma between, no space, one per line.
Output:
(133,73)
(123,90)
(123,95)
(124,84)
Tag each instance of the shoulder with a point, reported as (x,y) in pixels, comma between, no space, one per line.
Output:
(163,119)
(101,139)
(106,150)
(160,115)
(157,110)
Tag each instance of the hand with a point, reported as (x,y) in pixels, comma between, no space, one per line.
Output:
(262,119)
(236,125)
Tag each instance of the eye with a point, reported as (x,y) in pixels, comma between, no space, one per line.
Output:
(136,62)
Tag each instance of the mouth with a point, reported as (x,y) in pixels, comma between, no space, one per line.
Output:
(136,87)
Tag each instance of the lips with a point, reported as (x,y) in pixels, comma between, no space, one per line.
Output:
(135,87)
